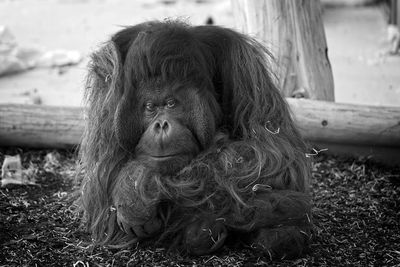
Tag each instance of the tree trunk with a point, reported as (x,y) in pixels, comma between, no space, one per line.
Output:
(293,31)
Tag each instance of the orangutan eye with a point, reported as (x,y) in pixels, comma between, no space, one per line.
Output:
(150,107)
(171,103)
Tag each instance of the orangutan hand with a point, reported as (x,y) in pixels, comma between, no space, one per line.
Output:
(204,236)
(135,216)
(137,222)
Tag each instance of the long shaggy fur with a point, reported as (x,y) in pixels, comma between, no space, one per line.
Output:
(253,174)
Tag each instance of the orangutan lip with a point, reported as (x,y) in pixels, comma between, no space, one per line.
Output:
(164,157)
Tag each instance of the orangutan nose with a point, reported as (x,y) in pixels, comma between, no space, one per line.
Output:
(162,131)
(161,127)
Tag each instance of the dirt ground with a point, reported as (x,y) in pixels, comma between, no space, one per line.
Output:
(355,212)
(356,39)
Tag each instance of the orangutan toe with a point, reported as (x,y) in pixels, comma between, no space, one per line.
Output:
(204,237)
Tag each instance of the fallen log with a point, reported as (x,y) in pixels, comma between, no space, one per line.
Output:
(40,126)
(330,122)
(319,121)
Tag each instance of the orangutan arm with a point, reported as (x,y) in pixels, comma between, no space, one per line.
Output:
(136,210)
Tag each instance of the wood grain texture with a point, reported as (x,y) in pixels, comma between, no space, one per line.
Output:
(346,123)
(40,126)
(319,121)
(294,33)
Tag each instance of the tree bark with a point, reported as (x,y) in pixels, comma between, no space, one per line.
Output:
(329,122)
(40,126)
(294,33)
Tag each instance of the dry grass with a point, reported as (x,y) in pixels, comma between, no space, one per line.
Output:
(356,213)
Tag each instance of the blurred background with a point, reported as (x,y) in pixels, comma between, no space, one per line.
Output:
(45,44)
